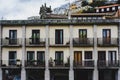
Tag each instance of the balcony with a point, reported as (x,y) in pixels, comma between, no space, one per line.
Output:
(11,63)
(108,64)
(107,42)
(59,43)
(34,63)
(11,42)
(84,64)
(35,41)
(58,64)
(84,42)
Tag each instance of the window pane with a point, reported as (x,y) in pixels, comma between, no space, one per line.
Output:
(88,54)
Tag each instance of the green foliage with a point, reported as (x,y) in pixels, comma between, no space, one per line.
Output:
(84,3)
(97,3)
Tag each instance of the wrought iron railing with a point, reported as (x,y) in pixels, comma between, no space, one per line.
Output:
(34,63)
(8,42)
(35,41)
(85,63)
(103,63)
(82,41)
(107,42)
(11,63)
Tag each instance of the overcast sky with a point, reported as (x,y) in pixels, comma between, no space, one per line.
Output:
(22,9)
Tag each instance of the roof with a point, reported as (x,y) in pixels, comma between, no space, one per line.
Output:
(108,6)
(93,14)
(56,16)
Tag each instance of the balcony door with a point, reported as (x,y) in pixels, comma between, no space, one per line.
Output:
(112,57)
(59,57)
(82,36)
(40,57)
(30,55)
(59,36)
(35,36)
(12,36)
(12,57)
(106,36)
(88,58)
(102,58)
(78,57)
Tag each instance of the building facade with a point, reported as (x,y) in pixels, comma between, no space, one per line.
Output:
(60,49)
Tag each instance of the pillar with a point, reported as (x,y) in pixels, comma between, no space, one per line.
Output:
(71,71)
(23,71)
(119,50)
(47,72)
(95,72)
(0,52)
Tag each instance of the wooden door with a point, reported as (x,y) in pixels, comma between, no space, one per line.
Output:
(78,57)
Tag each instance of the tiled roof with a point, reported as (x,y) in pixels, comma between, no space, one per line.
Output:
(108,6)
(94,14)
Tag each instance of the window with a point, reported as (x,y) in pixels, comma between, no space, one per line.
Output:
(82,36)
(108,9)
(40,57)
(82,33)
(101,55)
(12,36)
(59,57)
(59,36)
(102,10)
(106,36)
(111,55)
(30,55)
(88,55)
(88,58)
(35,37)
(78,57)
(113,8)
(97,10)
(12,57)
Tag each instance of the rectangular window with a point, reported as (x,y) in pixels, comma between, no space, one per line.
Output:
(40,57)
(101,55)
(12,36)
(12,57)
(35,36)
(106,36)
(88,54)
(82,36)
(88,58)
(112,55)
(30,55)
(59,57)
(78,57)
(59,36)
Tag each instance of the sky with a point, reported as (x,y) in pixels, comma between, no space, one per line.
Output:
(22,9)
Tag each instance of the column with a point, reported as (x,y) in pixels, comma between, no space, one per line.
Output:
(0,52)
(23,71)
(71,72)
(119,50)
(47,72)
(95,72)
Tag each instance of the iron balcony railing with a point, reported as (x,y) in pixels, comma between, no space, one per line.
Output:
(61,42)
(85,63)
(103,63)
(34,63)
(82,41)
(107,42)
(58,63)
(9,42)
(35,41)
(11,63)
